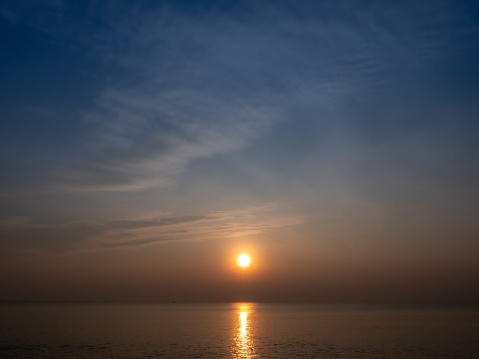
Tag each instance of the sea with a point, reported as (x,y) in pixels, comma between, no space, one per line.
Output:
(237,330)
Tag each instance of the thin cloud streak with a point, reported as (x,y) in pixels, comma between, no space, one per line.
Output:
(22,233)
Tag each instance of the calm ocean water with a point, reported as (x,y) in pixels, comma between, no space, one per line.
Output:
(236,330)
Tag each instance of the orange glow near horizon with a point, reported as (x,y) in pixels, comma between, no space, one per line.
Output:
(244,261)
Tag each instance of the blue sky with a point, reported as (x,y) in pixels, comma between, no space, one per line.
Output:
(334,132)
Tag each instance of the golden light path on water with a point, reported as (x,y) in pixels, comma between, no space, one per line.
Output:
(244,343)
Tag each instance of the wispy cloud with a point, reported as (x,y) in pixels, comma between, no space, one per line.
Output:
(20,235)
(191,88)
(143,139)
(196,88)
(153,129)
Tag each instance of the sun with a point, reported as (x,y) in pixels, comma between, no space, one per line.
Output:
(244,260)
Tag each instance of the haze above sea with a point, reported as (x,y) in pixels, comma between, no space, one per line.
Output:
(237,330)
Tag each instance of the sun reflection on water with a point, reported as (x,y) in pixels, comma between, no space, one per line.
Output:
(244,343)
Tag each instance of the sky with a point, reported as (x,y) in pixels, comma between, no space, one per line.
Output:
(144,145)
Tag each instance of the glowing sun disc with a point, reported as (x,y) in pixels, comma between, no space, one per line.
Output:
(244,260)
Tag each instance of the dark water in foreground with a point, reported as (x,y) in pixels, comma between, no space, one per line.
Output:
(236,330)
